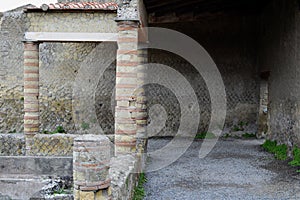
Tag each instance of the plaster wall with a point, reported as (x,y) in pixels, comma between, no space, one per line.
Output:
(280,55)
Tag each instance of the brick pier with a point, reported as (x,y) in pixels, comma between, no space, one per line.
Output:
(31,91)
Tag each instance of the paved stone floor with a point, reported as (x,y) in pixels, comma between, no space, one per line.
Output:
(235,169)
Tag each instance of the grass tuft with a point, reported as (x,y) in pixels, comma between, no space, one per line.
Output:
(139,191)
(296,157)
(205,135)
(249,135)
(280,151)
(58,129)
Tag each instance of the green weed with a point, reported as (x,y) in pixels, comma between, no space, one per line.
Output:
(240,126)
(85,126)
(60,191)
(139,191)
(296,157)
(205,135)
(13,131)
(280,151)
(249,135)
(58,129)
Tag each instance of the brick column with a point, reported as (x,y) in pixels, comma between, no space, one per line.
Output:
(31,91)
(141,107)
(126,84)
(91,157)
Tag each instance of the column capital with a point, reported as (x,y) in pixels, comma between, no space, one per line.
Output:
(128,11)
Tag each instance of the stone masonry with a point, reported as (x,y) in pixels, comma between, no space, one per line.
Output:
(31,91)
(241,47)
(60,65)
(279,54)
(91,159)
(126,83)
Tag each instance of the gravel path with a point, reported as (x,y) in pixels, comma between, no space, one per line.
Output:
(235,169)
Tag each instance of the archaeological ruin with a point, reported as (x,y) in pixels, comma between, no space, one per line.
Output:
(82,87)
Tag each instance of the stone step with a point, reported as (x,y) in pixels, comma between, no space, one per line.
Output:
(37,166)
(20,188)
(23,176)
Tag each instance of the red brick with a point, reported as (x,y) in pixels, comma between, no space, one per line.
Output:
(127,40)
(31,79)
(126,86)
(31,64)
(125,132)
(127,63)
(31,87)
(127,52)
(31,71)
(31,125)
(31,47)
(31,117)
(126,144)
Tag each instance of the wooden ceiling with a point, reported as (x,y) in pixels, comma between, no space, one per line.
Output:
(177,8)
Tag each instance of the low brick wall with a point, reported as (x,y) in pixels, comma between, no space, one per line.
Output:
(12,144)
(41,145)
(52,145)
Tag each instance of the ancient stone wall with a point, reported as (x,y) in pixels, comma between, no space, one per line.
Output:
(280,55)
(12,145)
(60,63)
(66,22)
(65,67)
(231,42)
(12,28)
(76,66)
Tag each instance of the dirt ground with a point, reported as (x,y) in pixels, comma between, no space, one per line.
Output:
(234,169)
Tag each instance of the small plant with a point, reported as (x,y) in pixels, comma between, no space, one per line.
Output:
(249,135)
(296,157)
(139,191)
(236,128)
(298,171)
(13,131)
(58,129)
(85,125)
(269,146)
(240,126)
(204,135)
(60,191)
(45,132)
(280,151)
